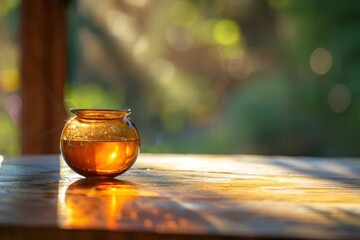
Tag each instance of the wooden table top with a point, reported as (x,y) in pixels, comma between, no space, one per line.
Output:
(183,196)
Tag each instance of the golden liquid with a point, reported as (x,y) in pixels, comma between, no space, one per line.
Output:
(93,158)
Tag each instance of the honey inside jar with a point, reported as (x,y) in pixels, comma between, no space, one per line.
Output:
(96,158)
(103,143)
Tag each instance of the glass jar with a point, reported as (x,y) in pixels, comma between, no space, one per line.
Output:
(100,143)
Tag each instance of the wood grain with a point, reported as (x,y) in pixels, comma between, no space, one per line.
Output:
(183,196)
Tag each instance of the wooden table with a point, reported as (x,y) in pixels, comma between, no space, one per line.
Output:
(183,197)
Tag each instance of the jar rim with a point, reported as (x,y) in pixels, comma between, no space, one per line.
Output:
(88,113)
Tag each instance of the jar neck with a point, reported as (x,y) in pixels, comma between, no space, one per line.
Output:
(100,114)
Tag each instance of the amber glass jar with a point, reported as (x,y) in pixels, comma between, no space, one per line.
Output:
(100,143)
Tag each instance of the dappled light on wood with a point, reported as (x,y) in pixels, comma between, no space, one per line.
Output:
(238,194)
(218,196)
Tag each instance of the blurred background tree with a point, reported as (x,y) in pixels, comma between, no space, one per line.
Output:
(10,101)
(209,76)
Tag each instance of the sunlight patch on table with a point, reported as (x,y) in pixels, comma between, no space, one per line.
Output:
(1,160)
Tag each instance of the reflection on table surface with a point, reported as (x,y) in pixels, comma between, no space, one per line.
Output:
(101,203)
(95,202)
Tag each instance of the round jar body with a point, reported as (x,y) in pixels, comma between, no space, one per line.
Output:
(99,143)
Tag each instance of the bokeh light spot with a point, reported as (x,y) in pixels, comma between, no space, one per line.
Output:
(241,67)
(9,79)
(122,25)
(12,105)
(339,98)
(321,61)
(141,45)
(162,70)
(226,32)
(179,38)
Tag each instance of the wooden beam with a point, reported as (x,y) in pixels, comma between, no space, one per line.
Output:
(43,73)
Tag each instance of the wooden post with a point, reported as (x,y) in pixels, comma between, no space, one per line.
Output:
(43,73)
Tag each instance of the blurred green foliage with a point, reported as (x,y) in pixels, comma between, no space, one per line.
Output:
(8,135)
(213,76)
(92,95)
(9,77)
